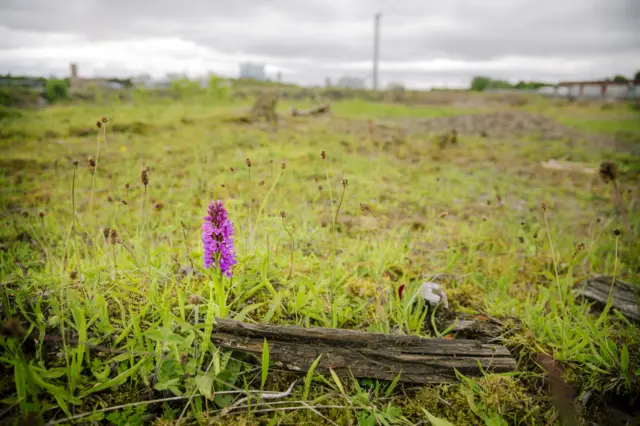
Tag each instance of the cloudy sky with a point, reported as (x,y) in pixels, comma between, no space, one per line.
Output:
(424,43)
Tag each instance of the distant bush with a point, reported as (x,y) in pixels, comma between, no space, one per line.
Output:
(56,89)
(18,97)
(183,87)
(219,87)
(480,84)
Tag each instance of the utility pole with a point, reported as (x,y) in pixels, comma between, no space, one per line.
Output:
(376,46)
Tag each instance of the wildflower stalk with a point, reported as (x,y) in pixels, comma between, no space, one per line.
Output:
(113,240)
(553,253)
(266,197)
(345,182)
(73,214)
(94,168)
(284,225)
(186,243)
(615,265)
(248,162)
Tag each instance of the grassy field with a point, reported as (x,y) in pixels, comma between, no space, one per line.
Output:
(120,322)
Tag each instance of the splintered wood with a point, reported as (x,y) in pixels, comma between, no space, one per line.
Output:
(366,355)
(625,296)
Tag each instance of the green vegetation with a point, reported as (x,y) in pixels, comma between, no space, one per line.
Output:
(56,89)
(483,83)
(104,272)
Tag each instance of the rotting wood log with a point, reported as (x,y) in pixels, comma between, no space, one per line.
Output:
(626,296)
(364,354)
(318,110)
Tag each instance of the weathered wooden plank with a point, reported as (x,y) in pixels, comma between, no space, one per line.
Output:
(626,296)
(371,355)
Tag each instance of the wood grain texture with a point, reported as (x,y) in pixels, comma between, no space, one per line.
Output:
(626,296)
(367,355)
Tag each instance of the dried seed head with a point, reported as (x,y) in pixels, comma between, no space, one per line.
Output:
(99,124)
(91,162)
(75,163)
(104,119)
(522,223)
(113,236)
(261,182)
(194,299)
(231,169)
(124,202)
(544,205)
(41,213)
(283,165)
(248,162)
(323,154)
(488,202)
(283,214)
(535,235)
(73,275)
(144,177)
(443,214)
(320,188)
(159,205)
(127,185)
(581,246)
(364,207)
(608,171)
(617,232)
(106,232)
(110,198)
(315,179)
(345,182)
(25,213)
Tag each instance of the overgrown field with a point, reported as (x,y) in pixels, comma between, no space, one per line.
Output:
(108,309)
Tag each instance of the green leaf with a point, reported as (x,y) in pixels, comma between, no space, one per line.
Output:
(392,386)
(337,381)
(205,385)
(624,359)
(309,377)
(436,421)
(116,381)
(156,334)
(265,364)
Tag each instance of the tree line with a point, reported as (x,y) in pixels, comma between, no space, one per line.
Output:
(480,83)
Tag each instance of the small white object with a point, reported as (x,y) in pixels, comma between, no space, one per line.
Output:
(433,293)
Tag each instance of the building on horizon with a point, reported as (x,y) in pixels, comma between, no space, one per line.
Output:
(348,82)
(598,89)
(253,70)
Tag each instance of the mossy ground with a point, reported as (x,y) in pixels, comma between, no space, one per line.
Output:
(470,211)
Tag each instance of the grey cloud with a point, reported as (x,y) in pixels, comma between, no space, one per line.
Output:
(298,34)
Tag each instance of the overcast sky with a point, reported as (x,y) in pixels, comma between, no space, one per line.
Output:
(424,43)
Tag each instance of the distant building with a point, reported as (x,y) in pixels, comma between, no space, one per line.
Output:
(80,84)
(351,82)
(253,70)
(604,89)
